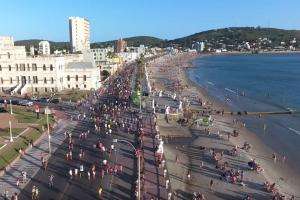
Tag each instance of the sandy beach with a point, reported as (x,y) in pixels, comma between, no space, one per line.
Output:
(209,153)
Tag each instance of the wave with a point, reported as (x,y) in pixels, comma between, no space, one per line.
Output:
(294,131)
(210,83)
(230,90)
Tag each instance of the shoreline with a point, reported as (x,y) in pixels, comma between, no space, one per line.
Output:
(263,154)
(264,149)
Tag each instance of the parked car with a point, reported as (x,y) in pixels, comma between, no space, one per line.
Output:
(26,102)
(43,100)
(55,100)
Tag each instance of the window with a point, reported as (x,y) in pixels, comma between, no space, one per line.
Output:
(45,80)
(35,89)
(1,80)
(10,80)
(9,67)
(17,67)
(52,80)
(34,67)
(68,77)
(51,67)
(84,77)
(52,89)
(76,86)
(29,80)
(0,68)
(84,85)
(22,67)
(28,67)
(35,79)
(68,86)
(18,79)
(44,67)
(76,77)
(46,90)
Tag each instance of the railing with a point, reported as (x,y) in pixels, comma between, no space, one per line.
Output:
(15,90)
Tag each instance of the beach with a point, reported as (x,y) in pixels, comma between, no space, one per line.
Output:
(200,150)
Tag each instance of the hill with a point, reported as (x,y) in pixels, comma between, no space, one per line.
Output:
(238,35)
(35,43)
(215,38)
(134,41)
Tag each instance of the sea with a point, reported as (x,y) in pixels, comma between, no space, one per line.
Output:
(258,82)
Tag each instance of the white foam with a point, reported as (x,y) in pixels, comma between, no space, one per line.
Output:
(210,83)
(293,130)
(230,90)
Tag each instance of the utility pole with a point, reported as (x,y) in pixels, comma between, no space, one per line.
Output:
(47,112)
(10,132)
(11,112)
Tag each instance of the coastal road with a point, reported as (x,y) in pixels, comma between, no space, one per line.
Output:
(116,186)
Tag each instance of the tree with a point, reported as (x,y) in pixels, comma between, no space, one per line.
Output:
(105,74)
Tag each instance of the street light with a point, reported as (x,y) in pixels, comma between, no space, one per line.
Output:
(139,163)
(10,132)
(11,112)
(48,112)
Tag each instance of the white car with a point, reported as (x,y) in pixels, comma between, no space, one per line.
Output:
(26,103)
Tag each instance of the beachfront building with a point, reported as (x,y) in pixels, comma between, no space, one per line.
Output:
(101,55)
(44,48)
(79,29)
(21,74)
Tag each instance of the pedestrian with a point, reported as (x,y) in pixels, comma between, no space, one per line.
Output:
(211,183)
(51,177)
(18,182)
(71,173)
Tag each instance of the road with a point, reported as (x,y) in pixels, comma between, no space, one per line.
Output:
(119,185)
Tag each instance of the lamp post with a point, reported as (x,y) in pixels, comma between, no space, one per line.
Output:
(139,163)
(10,132)
(47,112)
(10,105)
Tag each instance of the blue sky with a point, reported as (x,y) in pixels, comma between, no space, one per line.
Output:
(167,19)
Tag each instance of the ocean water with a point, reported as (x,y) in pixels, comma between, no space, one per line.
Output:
(270,82)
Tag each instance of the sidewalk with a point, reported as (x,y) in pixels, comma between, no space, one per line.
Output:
(154,183)
(31,161)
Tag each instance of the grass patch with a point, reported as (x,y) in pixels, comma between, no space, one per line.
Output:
(15,132)
(24,116)
(136,98)
(73,95)
(11,151)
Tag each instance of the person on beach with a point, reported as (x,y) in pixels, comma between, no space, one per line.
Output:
(274,157)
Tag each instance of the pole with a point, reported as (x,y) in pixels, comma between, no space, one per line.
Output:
(10,132)
(140,103)
(11,112)
(49,137)
(139,176)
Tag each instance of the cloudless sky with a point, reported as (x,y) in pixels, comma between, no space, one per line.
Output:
(166,19)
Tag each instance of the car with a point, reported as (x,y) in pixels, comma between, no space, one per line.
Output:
(43,100)
(25,102)
(55,100)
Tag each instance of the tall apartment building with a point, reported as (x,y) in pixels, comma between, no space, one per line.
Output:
(79,29)
(44,48)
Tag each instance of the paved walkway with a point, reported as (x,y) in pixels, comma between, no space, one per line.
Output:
(31,161)
(154,182)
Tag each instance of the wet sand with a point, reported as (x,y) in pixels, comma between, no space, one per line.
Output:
(168,70)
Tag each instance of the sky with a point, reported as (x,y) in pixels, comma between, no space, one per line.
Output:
(166,19)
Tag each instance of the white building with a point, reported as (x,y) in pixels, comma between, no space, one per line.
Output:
(100,55)
(21,74)
(44,48)
(79,29)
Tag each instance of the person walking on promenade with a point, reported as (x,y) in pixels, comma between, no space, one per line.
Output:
(211,183)
(51,177)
